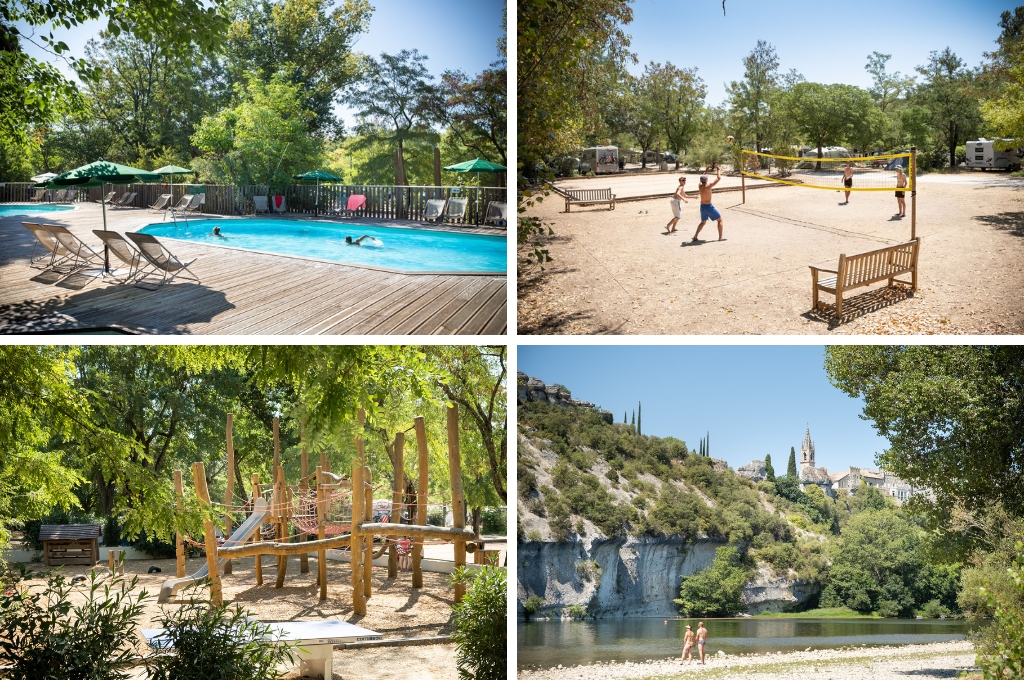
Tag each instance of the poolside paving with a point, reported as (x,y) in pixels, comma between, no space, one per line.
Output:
(241,292)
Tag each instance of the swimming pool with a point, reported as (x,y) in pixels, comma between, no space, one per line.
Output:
(411,250)
(31,209)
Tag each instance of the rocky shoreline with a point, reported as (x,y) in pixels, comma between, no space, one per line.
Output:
(922,662)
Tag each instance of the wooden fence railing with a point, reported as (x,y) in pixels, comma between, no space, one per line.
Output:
(384,202)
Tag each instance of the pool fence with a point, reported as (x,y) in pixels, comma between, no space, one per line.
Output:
(382,202)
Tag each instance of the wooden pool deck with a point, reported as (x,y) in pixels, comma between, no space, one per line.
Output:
(241,292)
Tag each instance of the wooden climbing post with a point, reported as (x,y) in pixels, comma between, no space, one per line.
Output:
(282,526)
(277,445)
(304,492)
(321,532)
(179,542)
(458,500)
(256,537)
(229,490)
(199,475)
(421,498)
(356,541)
(396,501)
(368,544)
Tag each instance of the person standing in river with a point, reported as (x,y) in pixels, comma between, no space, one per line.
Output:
(688,644)
(702,639)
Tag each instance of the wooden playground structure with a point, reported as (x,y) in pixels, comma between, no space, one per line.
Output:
(323,503)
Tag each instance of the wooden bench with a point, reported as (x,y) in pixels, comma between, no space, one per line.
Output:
(864,269)
(589,197)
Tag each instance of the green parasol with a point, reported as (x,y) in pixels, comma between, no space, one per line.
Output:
(172,170)
(318,175)
(98,174)
(476,165)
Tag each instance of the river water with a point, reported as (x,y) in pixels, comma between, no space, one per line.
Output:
(547,644)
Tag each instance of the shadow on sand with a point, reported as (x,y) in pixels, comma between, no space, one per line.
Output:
(860,305)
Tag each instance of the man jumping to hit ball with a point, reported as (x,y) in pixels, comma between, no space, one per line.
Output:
(707,211)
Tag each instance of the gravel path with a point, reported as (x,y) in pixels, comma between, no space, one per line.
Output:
(618,272)
(908,662)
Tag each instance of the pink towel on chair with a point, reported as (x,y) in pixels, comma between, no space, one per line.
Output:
(278,202)
(356,201)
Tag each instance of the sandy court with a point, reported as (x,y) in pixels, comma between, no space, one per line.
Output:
(395,610)
(618,272)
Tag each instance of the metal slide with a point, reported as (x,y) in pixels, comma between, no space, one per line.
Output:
(241,535)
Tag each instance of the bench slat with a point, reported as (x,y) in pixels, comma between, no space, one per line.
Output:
(864,269)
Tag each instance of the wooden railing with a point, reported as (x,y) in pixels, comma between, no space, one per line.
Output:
(383,202)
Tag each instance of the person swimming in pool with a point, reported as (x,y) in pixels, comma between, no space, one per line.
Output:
(356,242)
(216,232)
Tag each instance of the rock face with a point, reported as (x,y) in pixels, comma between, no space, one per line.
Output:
(532,389)
(612,578)
(755,471)
(767,592)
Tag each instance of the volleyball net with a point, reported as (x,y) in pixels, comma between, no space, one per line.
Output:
(866,173)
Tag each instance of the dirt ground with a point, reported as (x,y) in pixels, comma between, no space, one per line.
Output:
(618,272)
(395,610)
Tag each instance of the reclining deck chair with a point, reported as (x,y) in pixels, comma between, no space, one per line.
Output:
(58,196)
(162,260)
(456,209)
(259,204)
(197,203)
(38,196)
(81,256)
(496,213)
(108,198)
(124,251)
(277,203)
(162,202)
(434,210)
(125,201)
(52,247)
(356,202)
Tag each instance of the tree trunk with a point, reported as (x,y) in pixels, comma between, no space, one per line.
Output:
(477,516)
(818,165)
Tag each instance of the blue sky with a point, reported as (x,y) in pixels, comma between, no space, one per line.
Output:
(454,34)
(826,41)
(754,400)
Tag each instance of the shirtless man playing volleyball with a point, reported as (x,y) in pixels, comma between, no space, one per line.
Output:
(707,211)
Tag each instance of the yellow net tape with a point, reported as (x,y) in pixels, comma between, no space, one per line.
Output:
(828,173)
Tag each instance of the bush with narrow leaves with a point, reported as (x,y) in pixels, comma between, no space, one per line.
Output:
(479,627)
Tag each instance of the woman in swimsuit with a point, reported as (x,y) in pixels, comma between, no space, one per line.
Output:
(901,183)
(848,179)
(688,643)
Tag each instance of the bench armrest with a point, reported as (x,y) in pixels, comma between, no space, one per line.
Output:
(823,268)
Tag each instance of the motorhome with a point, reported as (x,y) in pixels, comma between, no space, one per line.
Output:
(983,154)
(600,159)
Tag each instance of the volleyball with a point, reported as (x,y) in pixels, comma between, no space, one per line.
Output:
(730,138)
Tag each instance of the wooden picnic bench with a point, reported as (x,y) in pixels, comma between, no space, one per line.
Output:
(589,197)
(864,269)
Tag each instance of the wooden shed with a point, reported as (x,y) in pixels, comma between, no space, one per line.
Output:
(70,544)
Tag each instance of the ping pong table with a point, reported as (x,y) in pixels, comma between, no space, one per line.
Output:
(316,639)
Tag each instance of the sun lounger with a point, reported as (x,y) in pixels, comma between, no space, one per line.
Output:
(38,196)
(109,197)
(197,203)
(126,201)
(123,251)
(496,213)
(434,210)
(355,203)
(81,255)
(161,203)
(162,260)
(52,247)
(259,204)
(278,204)
(58,196)
(456,209)
(182,202)
(184,206)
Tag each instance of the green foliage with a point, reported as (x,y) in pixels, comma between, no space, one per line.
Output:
(66,631)
(950,93)
(576,612)
(532,605)
(206,640)
(479,624)
(791,470)
(715,591)
(827,115)
(1003,655)
(769,471)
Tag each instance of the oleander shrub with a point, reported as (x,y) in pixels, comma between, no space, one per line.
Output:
(479,628)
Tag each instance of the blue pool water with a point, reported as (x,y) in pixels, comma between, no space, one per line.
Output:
(419,250)
(31,209)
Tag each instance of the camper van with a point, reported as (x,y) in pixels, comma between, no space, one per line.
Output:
(982,154)
(600,159)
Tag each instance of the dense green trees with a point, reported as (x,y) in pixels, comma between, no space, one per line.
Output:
(950,93)
(714,591)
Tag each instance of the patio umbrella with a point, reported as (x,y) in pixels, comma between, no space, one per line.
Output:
(476,165)
(318,175)
(44,177)
(172,170)
(98,174)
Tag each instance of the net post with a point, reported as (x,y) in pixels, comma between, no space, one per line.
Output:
(743,177)
(913,193)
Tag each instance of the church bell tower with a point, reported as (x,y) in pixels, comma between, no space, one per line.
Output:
(807,452)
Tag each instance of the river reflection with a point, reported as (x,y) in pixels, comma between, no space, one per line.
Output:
(550,643)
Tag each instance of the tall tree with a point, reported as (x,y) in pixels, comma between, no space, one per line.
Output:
(643,119)
(476,110)
(827,114)
(791,471)
(396,96)
(769,471)
(950,92)
(639,412)
(749,98)
(887,87)
(679,95)
(1003,110)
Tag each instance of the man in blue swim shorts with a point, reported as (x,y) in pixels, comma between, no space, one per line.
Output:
(708,211)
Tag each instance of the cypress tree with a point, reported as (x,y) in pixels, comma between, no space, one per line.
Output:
(639,406)
(791,468)
(633,423)
(624,419)
(769,471)
(707,446)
